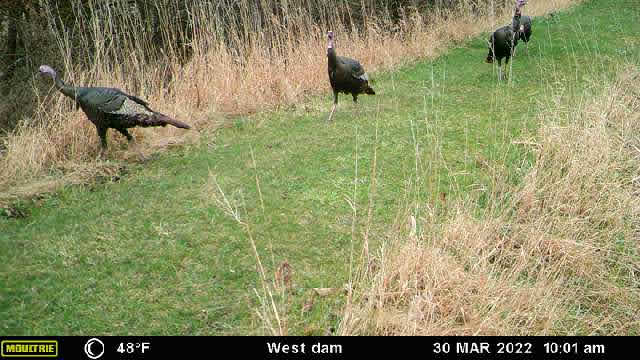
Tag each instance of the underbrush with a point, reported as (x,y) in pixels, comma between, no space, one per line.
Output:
(554,255)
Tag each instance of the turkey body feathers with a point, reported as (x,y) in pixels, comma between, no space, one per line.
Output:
(349,77)
(117,109)
(503,41)
(112,108)
(525,28)
(501,44)
(106,99)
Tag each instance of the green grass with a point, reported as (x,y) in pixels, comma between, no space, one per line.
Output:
(153,253)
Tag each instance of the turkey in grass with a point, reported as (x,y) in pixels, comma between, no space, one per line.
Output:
(111,108)
(346,75)
(503,41)
(525,30)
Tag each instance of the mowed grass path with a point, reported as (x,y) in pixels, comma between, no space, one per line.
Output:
(155,253)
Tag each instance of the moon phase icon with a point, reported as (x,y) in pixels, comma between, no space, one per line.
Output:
(94,348)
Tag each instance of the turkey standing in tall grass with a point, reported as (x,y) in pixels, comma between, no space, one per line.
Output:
(503,41)
(111,108)
(346,75)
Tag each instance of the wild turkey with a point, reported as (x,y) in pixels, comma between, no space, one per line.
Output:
(503,41)
(525,30)
(346,75)
(111,108)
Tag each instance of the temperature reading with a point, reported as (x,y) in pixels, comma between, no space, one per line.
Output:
(130,348)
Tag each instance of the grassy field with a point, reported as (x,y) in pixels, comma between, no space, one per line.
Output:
(167,248)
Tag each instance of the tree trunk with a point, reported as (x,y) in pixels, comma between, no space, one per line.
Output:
(11,53)
(12,42)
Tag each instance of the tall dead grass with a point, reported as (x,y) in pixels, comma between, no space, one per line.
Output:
(561,257)
(254,63)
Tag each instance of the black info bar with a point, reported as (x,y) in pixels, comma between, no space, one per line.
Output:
(329,347)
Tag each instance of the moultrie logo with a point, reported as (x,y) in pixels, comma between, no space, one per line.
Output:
(29,348)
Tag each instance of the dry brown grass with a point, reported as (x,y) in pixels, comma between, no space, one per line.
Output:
(222,78)
(557,255)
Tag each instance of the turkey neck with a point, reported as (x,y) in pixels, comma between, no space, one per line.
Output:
(331,54)
(67,90)
(515,23)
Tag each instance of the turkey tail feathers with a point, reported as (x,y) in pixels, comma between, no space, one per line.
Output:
(178,124)
(164,120)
